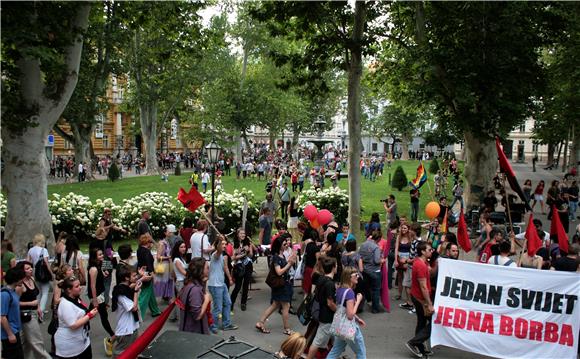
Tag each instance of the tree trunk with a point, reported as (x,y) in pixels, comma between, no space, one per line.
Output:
(295,139)
(272,138)
(24,179)
(82,146)
(148,119)
(23,153)
(405,147)
(564,160)
(550,154)
(575,146)
(560,145)
(480,168)
(353,118)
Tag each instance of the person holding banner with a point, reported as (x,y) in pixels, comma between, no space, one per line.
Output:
(421,296)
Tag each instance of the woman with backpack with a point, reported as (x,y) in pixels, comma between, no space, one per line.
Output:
(74,257)
(38,256)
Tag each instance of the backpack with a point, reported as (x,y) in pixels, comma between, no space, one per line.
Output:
(315,307)
(304,311)
(41,272)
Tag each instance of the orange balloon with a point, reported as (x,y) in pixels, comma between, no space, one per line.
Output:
(432,210)
(314,223)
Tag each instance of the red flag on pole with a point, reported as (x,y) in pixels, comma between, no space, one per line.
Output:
(534,241)
(510,175)
(557,228)
(191,200)
(462,236)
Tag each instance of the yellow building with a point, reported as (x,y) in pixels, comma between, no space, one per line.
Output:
(114,134)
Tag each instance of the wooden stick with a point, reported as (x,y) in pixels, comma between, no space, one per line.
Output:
(210,223)
(507,203)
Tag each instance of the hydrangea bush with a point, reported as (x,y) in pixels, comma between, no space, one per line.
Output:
(76,214)
(333,199)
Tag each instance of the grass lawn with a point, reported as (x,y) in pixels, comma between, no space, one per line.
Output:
(372,192)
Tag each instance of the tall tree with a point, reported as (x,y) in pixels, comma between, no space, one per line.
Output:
(41,52)
(161,57)
(337,36)
(476,62)
(100,52)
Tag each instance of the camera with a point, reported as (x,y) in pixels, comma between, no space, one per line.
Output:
(384,200)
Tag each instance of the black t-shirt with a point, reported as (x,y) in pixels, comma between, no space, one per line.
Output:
(325,289)
(310,255)
(414,199)
(565,264)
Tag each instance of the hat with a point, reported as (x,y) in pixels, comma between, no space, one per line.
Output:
(170,228)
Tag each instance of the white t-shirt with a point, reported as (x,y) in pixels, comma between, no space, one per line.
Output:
(204,177)
(35,253)
(196,244)
(501,261)
(126,324)
(178,276)
(69,342)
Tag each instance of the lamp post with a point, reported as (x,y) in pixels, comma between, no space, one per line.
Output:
(213,152)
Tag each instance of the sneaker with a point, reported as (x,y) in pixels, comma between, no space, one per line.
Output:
(231,327)
(231,313)
(108,346)
(428,353)
(413,311)
(243,307)
(213,330)
(405,306)
(413,349)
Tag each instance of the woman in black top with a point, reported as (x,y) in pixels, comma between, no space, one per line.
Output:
(145,262)
(243,267)
(310,250)
(96,290)
(32,341)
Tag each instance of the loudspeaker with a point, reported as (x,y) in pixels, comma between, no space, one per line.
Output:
(497,217)
(177,344)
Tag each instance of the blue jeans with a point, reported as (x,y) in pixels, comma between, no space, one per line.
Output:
(357,346)
(220,304)
(572,209)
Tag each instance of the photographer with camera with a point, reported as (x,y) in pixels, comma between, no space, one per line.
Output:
(390,206)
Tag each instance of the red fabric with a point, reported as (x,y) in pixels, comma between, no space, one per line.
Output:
(420,271)
(486,253)
(185,234)
(307,280)
(506,168)
(462,236)
(534,241)
(147,336)
(191,200)
(557,228)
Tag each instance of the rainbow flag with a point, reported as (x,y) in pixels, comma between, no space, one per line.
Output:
(421,177)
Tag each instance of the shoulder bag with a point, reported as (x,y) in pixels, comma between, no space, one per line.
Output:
(341,326)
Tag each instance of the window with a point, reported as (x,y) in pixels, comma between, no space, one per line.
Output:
(374,147)
(105,141)
(535,147)
(99,121)
(523,127)
(521,142)
(67,145)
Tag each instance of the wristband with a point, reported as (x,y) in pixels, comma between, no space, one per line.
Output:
(90,315)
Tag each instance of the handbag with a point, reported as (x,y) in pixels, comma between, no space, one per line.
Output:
(239,270)
(159,268)
(41,272)
(299,274)
(304,310)
(25,316)
(53,325)
(273,280)
(341,326)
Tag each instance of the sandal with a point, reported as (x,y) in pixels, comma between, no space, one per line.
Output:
(261,328)
(288,331)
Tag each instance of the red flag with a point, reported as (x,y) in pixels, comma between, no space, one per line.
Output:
(534,241)
(462,236)
(557,228)
(191,200)
(510,175)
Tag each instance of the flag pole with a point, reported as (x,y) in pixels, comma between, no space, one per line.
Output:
(507,202)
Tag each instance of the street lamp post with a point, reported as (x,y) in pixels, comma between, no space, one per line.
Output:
(213,152)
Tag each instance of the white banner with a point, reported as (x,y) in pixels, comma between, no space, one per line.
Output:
(506,312)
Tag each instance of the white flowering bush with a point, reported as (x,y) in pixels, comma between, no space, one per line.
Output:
(76,214)
(73,213)
(161,206)
(333,199)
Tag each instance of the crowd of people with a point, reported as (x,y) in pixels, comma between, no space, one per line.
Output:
(204,271)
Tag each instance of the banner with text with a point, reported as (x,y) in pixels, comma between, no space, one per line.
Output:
(506,312)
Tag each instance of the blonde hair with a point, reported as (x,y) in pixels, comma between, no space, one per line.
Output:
(39,240)
(145,239)
(293,346)
(347,273)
